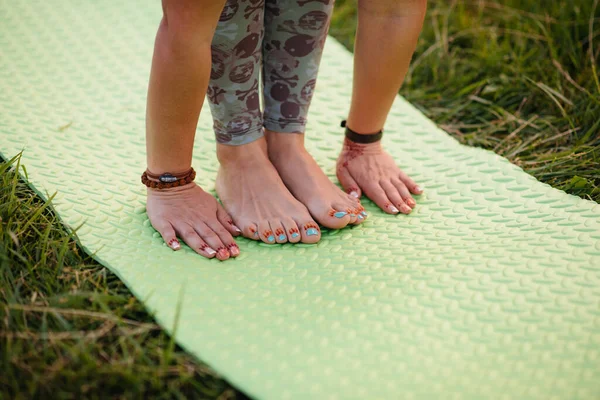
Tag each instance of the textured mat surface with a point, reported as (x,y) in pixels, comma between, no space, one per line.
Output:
(491,289)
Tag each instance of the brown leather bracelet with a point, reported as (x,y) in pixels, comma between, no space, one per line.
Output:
(168,180)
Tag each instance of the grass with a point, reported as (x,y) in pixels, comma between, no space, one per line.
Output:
(517,77)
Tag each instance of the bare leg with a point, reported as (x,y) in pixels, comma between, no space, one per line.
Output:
(386,39)
(178,82)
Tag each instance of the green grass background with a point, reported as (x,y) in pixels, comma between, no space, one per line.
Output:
(518,77)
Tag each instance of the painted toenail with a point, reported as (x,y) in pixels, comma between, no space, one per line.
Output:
(364,213)
(354,194)
(271,238)
(281,237)
(360,217)
(352,215)
(340,214)
(295,235)
(312,232)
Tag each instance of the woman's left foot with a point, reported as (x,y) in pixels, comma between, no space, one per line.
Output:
(327,203)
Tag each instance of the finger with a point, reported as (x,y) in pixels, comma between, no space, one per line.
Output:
(392,193)
(348,183)
(410,184)
(225,237)
(376,193)
(213,240)
(265,232)
(226,220)
(404,193)
(195,242)
(168,233)
(292,230)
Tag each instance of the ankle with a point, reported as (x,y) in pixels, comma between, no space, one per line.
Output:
(242,156)
(281,144)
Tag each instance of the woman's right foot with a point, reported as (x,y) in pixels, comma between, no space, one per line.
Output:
(254,195)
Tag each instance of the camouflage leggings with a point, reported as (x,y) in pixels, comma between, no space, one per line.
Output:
(287,38)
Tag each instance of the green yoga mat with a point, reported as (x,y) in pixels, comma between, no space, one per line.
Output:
(490,289)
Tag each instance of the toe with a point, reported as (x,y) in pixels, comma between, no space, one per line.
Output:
(309,231)
(291,229)
(376,193)
(335,217)
(278,231)
(265,232)
(361,214)
(392,193)
(250,231)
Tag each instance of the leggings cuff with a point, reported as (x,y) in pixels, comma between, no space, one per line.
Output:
(285,127)
(240,140)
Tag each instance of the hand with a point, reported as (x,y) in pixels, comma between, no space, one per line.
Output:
(370,169)
(193,215)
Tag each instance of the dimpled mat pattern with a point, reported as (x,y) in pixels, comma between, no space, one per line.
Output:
(490,289)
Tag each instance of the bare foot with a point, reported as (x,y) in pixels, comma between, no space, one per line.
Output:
(369,168)
(260,204)
(329,205)
(196,217)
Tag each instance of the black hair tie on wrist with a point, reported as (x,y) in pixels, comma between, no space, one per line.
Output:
(362,139)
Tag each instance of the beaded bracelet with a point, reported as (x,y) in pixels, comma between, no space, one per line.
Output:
(168,180)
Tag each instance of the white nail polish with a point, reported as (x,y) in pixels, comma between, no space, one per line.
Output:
(238,230)
(354,194)
(210,251)
(394,209)
(175,245)
(418,188)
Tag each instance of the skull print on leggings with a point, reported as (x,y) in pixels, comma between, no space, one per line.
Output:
(266,48)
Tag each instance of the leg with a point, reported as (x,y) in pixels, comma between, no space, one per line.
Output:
(247,183)
(178,80)
(295,32)
(386,39)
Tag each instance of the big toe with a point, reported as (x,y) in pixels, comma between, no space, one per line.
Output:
(309,231)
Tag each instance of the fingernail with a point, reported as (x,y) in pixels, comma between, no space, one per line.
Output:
(210,251)
(418,188)
(393,209)
(405,209)
(411,202)
(340,214)
(223,253)
(295,235)
(271,238)
(312,232)
(235,251)
(354,194)
(235,228)
(281,237)
(174,244)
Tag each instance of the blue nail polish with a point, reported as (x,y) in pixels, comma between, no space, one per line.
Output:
(256,234)
(364,213)
(340,214)
(281,237)
(352,215)
(360,217)
(295,235)
(271,238)
(312,232)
